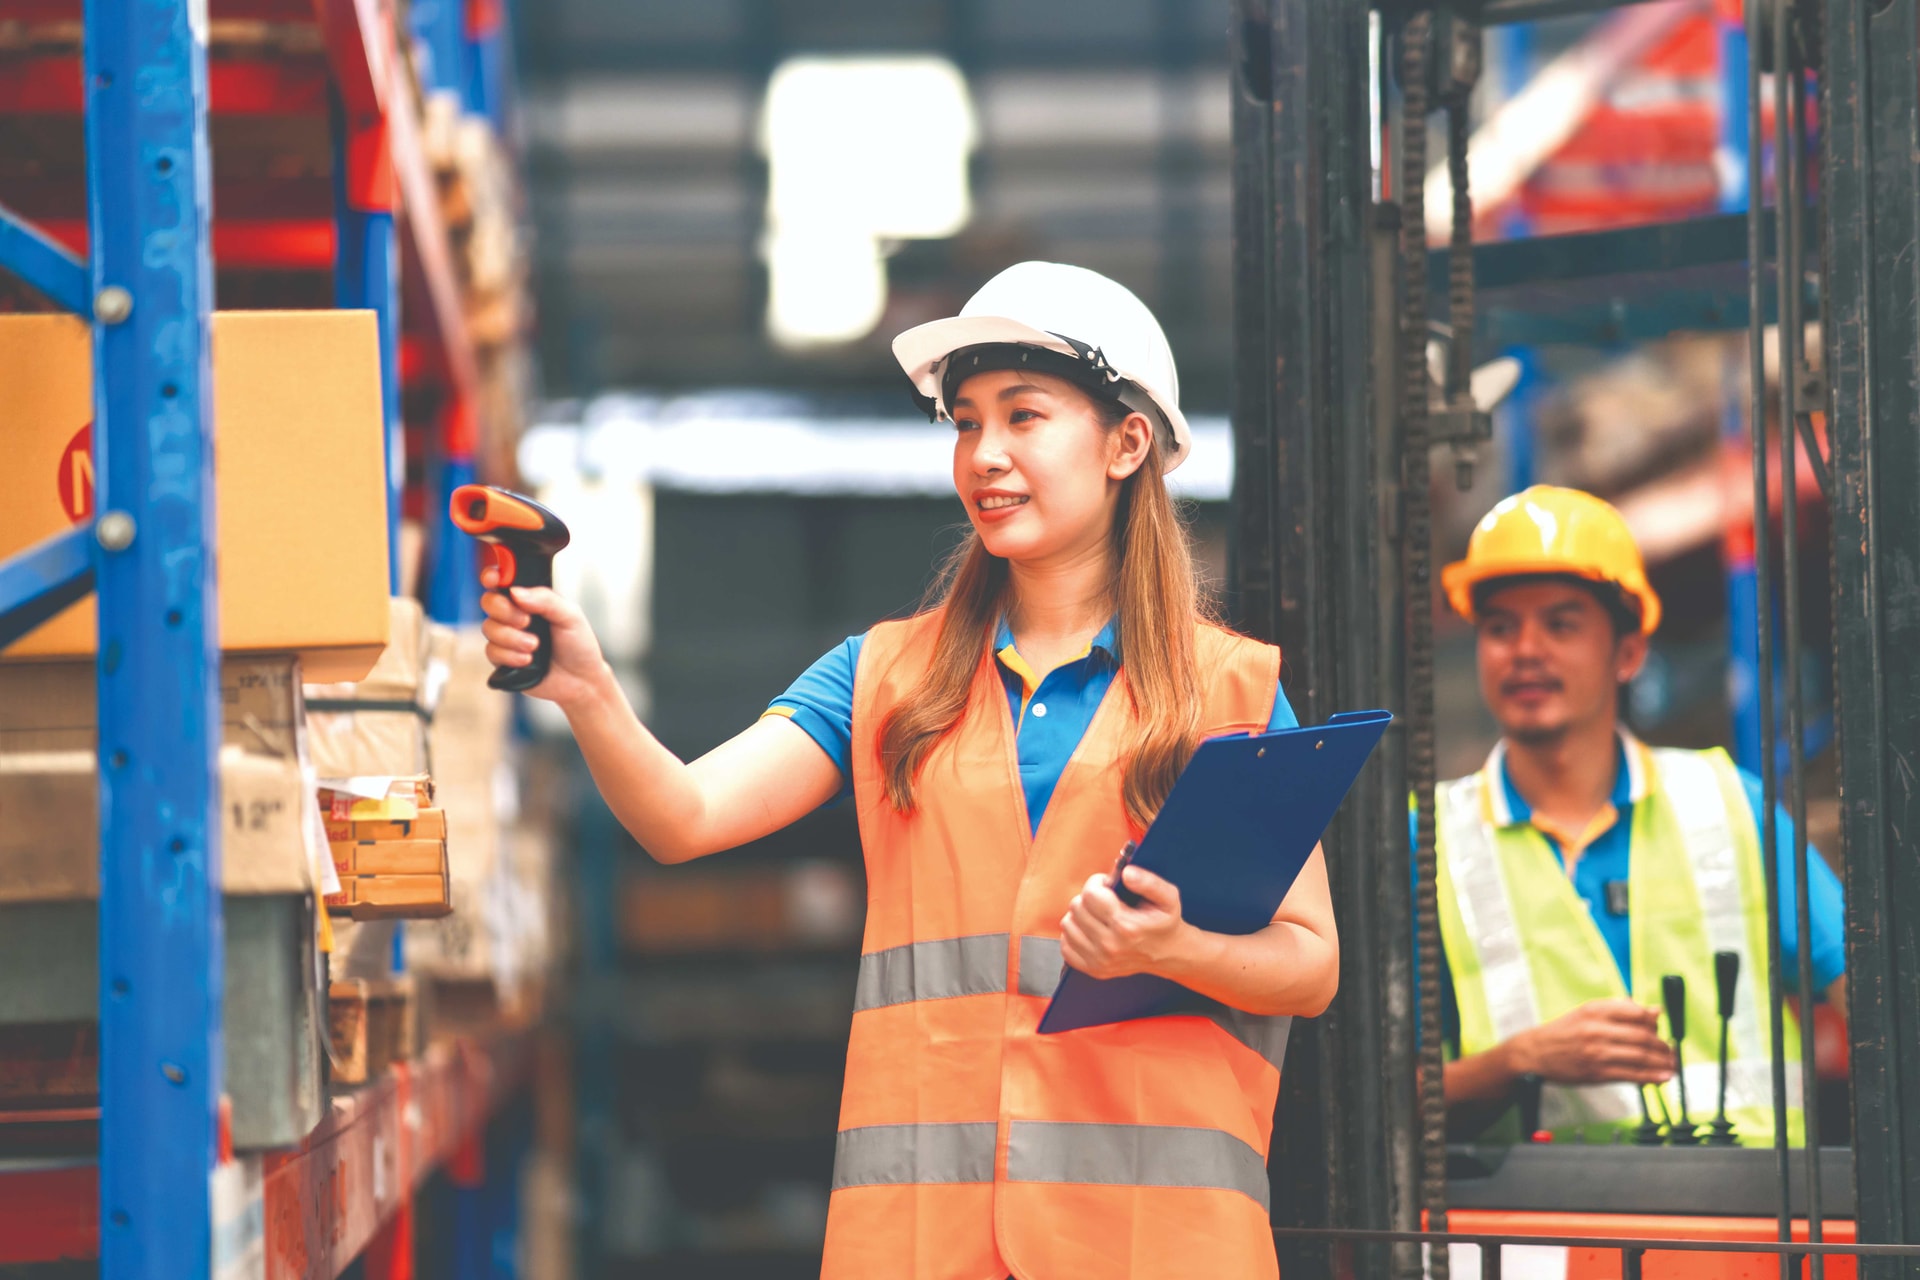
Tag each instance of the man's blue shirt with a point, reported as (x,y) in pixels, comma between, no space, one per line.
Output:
(1051,714)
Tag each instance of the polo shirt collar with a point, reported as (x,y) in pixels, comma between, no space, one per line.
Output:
(1508,808)
(1103,644)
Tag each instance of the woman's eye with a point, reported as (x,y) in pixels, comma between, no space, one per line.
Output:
(965,424)
(1022,415)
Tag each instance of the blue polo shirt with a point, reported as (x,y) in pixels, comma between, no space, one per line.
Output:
(1603,861)
(1050,713)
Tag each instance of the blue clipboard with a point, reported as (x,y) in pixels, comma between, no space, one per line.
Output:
(1241,821)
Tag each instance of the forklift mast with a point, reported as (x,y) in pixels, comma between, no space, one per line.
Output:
(1337,415)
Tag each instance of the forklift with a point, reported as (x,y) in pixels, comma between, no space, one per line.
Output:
(1368,319)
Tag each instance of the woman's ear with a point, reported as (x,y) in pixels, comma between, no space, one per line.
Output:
(1129,444)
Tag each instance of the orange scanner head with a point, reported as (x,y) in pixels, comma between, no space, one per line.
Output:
(495,515)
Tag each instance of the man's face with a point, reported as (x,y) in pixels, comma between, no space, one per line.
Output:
(1549,659)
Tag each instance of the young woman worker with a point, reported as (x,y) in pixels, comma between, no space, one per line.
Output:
(1001,748)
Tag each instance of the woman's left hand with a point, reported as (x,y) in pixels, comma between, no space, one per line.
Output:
(1103,937)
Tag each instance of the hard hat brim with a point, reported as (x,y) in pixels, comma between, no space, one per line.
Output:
(1459,579)
(921,349)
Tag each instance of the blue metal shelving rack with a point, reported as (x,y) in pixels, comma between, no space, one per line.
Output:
(148,557)
(147,288)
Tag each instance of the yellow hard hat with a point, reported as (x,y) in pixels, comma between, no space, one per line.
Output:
(1551,530)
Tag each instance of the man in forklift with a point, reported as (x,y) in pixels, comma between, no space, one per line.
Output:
(1579,868)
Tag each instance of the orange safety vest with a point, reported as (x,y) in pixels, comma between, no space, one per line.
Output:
(971,1147)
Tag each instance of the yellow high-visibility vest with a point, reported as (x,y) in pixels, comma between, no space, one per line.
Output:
(1524,950)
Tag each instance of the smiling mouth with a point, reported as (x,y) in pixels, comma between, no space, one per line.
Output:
(999,503)
(1531,687)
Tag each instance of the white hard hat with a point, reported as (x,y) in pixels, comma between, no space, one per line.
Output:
(1110,339)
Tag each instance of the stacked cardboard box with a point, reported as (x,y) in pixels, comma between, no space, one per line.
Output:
(389,851)
(50,843)
(496,939)
(370,1026)
(271,851)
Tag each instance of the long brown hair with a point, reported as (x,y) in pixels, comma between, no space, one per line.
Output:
(1155,592)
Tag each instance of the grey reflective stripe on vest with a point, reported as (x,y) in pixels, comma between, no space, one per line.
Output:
(1691,786)
(1690,781)
(1040,968)
(1040,965)
(1266,1036)
(1480,893)
(885,1155)
(937,970)
(1135,1155)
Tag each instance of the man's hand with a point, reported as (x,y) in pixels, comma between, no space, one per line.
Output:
(1103,937)
(1601,1042)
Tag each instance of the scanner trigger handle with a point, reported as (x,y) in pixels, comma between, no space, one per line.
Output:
(521,538)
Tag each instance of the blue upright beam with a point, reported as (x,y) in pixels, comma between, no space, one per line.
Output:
(453,582)
(1743,591)
(161,948)
(35,257)
(44,579)
(366,274)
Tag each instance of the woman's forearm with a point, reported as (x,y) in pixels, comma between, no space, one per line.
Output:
(1285,968)
(649,789)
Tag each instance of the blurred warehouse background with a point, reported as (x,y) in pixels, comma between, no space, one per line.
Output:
(736,204)
(648,267)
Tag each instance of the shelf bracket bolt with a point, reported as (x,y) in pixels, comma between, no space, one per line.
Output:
(115,531)
(112,305)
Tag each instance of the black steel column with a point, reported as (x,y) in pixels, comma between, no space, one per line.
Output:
(1310,549)
(1871,127)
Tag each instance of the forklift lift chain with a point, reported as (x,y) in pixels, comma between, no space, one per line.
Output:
(1415,37)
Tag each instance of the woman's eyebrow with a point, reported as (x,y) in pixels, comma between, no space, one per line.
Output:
(1018,387)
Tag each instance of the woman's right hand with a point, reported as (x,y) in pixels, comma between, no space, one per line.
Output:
(578,672)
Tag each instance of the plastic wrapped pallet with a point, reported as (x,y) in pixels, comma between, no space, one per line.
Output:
(377,725)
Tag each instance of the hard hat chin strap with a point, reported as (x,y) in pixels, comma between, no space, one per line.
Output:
(1095,358)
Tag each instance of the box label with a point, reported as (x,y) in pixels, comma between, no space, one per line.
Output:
(75,479)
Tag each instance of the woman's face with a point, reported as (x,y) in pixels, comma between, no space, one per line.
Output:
(1038,470)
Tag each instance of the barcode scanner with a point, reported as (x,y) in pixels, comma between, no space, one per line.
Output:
(521,537)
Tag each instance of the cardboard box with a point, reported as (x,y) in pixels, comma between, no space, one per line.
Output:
(391,897)
(300,478)
(400,800)
(377,726)
(390,857)
(430,825)
(49,795)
